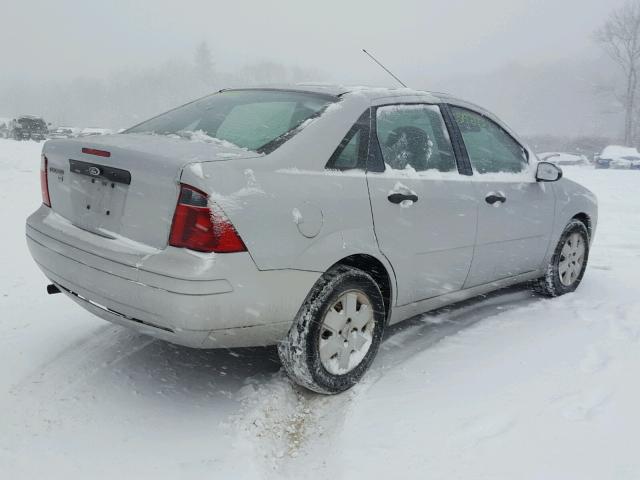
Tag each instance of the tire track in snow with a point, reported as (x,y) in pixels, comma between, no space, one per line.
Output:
(82,360)
(281,424)
(62,379)
(287,426)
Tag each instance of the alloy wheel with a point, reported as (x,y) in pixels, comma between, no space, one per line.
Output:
(346,332)
(571,259)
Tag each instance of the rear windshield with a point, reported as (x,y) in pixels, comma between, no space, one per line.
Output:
(259,120)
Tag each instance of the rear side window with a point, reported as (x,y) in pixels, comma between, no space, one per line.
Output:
(259,120)
(491,149)
(414,137)
(352,150)
(348,157)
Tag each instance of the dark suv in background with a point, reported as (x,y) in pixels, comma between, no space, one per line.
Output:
(28,127)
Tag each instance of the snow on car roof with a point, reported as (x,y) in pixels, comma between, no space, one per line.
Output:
(615,151)
(373,92)
(337,90)
(558,154)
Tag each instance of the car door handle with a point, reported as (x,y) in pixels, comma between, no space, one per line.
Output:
(494,197)
(401,197)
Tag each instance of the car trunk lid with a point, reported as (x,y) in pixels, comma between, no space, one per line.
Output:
(125,187)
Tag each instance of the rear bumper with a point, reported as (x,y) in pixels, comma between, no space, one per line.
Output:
(197,300)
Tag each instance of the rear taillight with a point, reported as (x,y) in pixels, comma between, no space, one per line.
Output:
(199,225)
(44,181)
(94,151)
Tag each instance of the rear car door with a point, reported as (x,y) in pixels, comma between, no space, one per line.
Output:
(424,210)
(515,215)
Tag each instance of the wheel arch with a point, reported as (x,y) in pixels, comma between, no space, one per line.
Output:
(378,271)
(586,219)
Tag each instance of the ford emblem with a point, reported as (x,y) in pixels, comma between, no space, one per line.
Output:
(94,171)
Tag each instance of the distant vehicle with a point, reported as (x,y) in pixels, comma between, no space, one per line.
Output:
(308,217)
(563,159)
(28,127)
(89,132)
(64,132)
(615,156)
(4,127)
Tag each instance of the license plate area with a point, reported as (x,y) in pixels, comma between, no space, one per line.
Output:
(98,194)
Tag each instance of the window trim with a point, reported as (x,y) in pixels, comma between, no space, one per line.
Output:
(376,163)
(458,132)
(460,149)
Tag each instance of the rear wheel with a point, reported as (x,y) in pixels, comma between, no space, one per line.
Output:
(336,333)
(568,263)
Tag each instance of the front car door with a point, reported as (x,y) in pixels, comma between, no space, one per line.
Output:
(424,210)
(515,215)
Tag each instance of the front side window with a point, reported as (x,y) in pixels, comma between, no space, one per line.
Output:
(258,120)
(491,149)
(414,137)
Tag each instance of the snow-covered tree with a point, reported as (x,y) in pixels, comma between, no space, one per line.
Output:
(204,65)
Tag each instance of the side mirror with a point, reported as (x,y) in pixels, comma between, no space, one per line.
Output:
(548,172)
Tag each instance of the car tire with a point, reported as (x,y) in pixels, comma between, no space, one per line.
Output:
(568,263)
(317,352)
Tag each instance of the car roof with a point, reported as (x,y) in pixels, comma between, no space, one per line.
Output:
(374,93)
(619,151)
(337,90)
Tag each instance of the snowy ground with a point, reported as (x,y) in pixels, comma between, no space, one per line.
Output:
(511,386)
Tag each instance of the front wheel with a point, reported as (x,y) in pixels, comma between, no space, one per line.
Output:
(568,263)
(336,333)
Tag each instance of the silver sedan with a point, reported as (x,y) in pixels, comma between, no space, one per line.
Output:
(310,217)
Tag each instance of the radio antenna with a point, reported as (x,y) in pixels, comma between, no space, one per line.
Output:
(385,68)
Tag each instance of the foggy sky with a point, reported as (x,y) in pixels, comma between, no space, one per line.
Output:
(67,38)
(533,62)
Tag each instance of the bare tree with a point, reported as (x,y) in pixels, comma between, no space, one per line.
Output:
(620,38)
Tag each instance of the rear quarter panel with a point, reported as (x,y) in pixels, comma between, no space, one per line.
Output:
(290,211)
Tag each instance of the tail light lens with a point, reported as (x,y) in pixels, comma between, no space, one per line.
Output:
(94,151)
(197,225)
(44,180)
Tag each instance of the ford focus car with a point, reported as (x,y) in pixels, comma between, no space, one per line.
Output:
(311,217)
